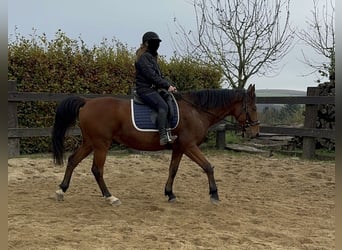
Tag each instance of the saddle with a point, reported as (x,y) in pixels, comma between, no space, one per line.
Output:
(144,118)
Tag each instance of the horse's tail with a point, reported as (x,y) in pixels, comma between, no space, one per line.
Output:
(66,115)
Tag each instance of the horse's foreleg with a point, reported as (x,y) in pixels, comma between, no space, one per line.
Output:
(174,164)
(97,170)
(73,160)
(195,154)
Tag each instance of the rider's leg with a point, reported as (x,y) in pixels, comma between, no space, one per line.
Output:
(155,101)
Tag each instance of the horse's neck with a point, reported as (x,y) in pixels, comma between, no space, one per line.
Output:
(217,114)
(231,109)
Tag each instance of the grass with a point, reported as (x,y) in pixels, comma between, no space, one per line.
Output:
(234,138)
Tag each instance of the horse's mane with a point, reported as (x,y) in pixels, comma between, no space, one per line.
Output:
(212,98)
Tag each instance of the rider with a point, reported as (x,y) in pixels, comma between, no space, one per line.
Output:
(149,80)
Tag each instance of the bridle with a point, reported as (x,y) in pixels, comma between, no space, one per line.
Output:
(248,122)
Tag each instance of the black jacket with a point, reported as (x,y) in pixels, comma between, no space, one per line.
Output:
(148,74)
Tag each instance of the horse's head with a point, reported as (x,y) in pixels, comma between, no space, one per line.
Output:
(248,116)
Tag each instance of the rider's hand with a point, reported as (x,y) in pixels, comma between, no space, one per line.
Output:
(172,89)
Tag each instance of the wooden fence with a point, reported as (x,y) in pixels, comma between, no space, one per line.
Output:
(308,132)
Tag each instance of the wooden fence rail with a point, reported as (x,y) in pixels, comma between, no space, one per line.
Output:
(308,132)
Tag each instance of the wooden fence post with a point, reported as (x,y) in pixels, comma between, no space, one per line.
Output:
(221,136)
(309,143)
(13,143)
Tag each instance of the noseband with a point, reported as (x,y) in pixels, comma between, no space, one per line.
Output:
(248,122)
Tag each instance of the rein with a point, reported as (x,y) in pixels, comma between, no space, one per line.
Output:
(248,121)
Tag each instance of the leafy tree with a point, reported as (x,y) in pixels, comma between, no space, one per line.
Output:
(189,74)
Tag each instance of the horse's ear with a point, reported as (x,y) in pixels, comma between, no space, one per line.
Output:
(251,87)
(251,90)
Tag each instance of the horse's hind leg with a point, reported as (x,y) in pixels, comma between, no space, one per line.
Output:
(97,170)
(82,152)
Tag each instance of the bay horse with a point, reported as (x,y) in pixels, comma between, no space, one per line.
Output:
(103,120)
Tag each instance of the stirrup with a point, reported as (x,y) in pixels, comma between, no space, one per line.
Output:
(171,138)
(164,140)
(167,139)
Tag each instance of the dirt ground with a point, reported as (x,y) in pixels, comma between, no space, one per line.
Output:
(266,203)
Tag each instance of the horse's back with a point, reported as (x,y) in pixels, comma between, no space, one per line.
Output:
(104,110)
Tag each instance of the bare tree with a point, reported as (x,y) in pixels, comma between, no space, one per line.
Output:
(320,36)
(241,37)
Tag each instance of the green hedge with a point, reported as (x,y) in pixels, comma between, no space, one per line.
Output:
(65,65)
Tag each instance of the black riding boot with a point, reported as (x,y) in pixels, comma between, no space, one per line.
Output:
(165,136)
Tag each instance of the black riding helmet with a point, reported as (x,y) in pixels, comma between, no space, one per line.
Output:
(150,35)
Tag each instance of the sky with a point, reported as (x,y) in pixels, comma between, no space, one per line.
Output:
(128,20)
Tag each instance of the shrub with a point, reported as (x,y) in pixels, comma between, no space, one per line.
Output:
(65,65)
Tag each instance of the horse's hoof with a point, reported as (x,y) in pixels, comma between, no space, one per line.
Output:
(214,198)
(116,203)
(172,200)
(170,195)
(59,195)
(214,201)
(113,201)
